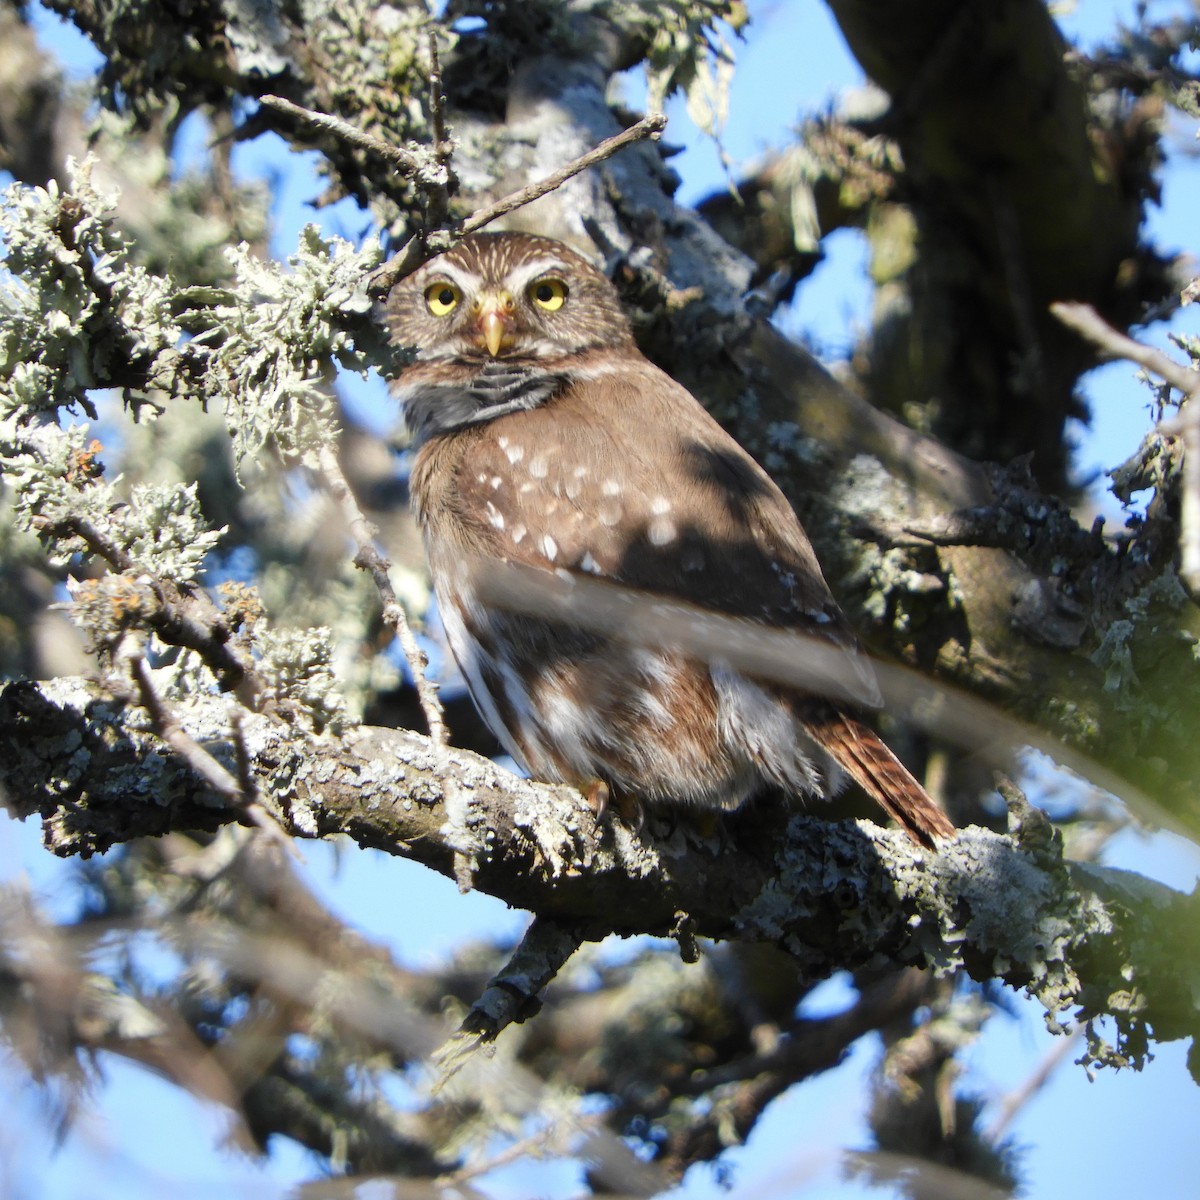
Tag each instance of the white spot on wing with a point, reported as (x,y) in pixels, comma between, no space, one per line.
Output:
(660,505)
(608,513)
(495,516)
(662,532)
(514,453)
(610,487)
(518,534)
(538,468)
(549,547)
(494,482)
(589,564)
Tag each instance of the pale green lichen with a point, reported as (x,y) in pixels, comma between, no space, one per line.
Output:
(59,488)
(75,311)
(687,51)
(268,343)
(296,664)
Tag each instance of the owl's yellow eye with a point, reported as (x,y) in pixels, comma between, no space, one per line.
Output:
(442,298)
(549,294)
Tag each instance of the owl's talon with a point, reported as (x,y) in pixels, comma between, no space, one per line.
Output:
(597,795)
(631,811)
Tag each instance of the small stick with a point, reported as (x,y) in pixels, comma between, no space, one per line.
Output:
(405,161)
(170,729)
(185,617)
(437,204)
(368,558)
(1012,1103)
(410,257)
(1089,324)
(1186,423)
(511,996)
(648,127)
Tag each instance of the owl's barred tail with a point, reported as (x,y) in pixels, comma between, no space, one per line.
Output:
(862,754)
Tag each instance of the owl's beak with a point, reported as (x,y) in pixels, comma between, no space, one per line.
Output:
(494,318)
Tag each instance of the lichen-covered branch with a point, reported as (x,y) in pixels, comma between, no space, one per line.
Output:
(1085,942)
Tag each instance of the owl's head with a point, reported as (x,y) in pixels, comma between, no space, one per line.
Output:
(506,295)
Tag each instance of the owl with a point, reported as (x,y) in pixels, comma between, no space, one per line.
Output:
(542,437)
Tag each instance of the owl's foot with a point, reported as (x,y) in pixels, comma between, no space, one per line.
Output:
(597,794)
(628,808)
(631,811)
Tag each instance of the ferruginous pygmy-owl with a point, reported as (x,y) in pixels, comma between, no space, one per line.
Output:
(544,438)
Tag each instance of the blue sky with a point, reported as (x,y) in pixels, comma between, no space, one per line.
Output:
(143,1139)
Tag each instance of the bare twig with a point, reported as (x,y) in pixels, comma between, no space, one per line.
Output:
(538,1144)
(407,259)
(648,127)
(437,202)
(1015,1100)
(1089,324)
(405,161)
(791,658)
(368,559)
(183,618)
(1186,423)
(167,726)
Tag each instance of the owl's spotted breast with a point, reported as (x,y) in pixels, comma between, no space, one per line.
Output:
(546,439)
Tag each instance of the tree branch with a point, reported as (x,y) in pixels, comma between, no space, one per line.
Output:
(1082,940)
(407,162)
(513,995)
(1112,343)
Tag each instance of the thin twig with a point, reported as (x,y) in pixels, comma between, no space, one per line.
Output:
(648,127)
(1015,1100)
(169,728)
(533,1145)
(183,618)
(1186,423)
(411,256)
(1089,324)
(784,656)
(405,161)
(368,559)
(437,203)
(511,996)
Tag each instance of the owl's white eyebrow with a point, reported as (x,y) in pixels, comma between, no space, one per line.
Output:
(526,273)
(463,279)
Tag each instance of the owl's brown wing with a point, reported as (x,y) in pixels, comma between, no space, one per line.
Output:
(624,476)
